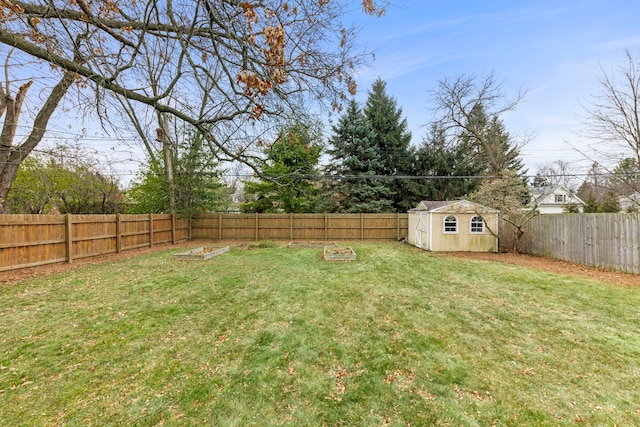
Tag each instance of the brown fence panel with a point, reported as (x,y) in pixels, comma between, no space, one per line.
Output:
(182,229)
(32,240)
(344,226)
(308,227)
(206,226)
(162,229)
(134,231)
(230,226)
(273,227)
(92,235)
(383,227)
(239,226)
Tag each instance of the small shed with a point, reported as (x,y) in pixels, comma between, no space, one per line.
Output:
(457,225)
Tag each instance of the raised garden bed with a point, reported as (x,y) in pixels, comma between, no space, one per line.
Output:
(201,253)
(309,245)
(333,253)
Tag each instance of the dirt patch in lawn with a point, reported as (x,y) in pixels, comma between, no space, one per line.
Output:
(552,265)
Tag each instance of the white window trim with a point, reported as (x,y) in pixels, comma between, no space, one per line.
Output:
(444,225)
(471,225)
(560,198)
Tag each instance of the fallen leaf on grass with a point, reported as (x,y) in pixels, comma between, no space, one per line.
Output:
(527,372)
(477,395)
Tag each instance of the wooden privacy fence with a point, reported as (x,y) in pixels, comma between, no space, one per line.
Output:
(300,226)
(610,241)
(33,240)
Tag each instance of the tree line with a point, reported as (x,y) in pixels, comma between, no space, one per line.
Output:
(370,166)
(373,167)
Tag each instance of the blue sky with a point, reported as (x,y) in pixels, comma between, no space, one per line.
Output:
(555,50)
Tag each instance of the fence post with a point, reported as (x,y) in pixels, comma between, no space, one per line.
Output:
(220,226)
(325,226)
(173,229)
(361,226)
(69,237)
(398,226)
(150,230)
(118,234)
(257,225)
(291,226)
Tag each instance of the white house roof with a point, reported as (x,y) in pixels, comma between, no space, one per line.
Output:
(452,206)
(544,195)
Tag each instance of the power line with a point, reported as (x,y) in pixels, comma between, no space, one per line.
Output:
(320,177)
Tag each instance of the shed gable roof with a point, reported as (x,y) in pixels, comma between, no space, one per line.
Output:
(453,206)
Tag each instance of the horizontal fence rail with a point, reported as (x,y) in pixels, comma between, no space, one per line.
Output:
(294,227)
(35,240)
(610,241)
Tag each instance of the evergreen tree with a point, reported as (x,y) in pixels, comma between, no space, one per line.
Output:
(392,140)
(540,180)
(491,144)
(356,159)
(610,204)
(438,156)
(557,172)
(494,152)
(591,204)
(596,188)
(289,169)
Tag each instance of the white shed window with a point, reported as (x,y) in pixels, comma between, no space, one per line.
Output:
(477,225)
(451,224)
(561,198)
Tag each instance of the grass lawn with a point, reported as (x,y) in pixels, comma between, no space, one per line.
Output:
(276,336)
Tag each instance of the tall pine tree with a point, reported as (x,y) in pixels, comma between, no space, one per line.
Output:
(392,140)
(440,157)
(356,160)
(495,154)
(491,144)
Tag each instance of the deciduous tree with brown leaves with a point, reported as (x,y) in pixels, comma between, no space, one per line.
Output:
(220,66)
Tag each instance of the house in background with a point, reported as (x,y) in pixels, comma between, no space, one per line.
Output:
(630,203)
(555,199)
(457,225)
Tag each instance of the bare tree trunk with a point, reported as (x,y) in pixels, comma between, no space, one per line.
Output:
(168,163)
(12,156)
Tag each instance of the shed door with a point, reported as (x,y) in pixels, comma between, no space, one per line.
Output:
(422,231)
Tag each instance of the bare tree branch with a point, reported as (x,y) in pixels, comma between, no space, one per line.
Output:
(613,115)
(219,64)
(459,102)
